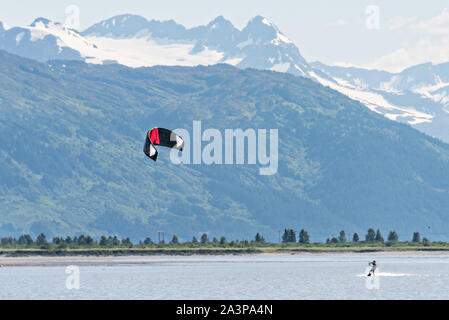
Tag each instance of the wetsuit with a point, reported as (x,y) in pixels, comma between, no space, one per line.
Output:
(373,268)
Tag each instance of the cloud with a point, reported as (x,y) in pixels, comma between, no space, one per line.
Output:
(438,25)
(427,41)
(338,23)
(423,51)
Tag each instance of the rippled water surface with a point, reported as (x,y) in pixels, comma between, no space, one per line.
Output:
(237,277)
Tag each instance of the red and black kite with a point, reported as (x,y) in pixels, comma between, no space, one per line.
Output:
(161,137)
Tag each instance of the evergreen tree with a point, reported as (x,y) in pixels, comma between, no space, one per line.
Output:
(12,241)
(68,240)
(342,237)
(416,237)
(223,240)
(371,235)
(355,238)
(25,240)
(393,236)
(41,240)
(304,237)
(81,241)
(62,244)
(292,235)
(204,238)
(115,241)
(285,236)
(258,238)
(379,237)
(289,236)
(89,241)
(103,241)
(127,243)
(175,239)
(194,240)
(147,241)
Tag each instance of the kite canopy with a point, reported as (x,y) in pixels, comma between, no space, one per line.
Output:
(161,137)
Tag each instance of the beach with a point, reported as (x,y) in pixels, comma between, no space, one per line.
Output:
(45,260)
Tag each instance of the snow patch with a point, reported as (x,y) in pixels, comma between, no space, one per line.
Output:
(233,61)
(344,83)
(377,103)
(301,71)
(280,38)
(389,86)
(19,38)
(37,34)
(430,91)
(359,83)
(5,26)
(140,52)
(265,21)
(281,67)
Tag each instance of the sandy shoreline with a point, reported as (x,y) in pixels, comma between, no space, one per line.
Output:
(6,261)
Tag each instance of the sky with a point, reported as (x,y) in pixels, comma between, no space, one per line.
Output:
(381,34)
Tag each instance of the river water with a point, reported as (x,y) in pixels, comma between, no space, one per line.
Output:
(333,276)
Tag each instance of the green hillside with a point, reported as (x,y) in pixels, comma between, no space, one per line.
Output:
(71,160)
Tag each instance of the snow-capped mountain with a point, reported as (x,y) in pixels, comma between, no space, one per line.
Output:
(274,51)
(418,96)
(46,40)
(134,41)
(259,45)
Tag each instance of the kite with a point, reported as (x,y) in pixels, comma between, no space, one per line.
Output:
(161,137)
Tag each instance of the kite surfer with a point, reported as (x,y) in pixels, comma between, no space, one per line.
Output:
(373,266)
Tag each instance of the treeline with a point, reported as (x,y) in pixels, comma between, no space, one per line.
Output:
(371,237)
(289,237)
(83,241)
(376,237)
